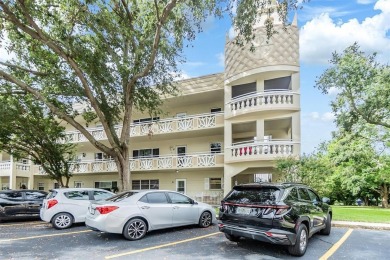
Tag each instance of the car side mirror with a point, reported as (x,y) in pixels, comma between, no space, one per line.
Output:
(326,200)
(193,202)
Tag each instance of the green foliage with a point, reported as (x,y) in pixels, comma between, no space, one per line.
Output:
(27,129)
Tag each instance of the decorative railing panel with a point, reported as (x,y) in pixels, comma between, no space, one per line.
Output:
(165,163)
(266,100)
(170,125)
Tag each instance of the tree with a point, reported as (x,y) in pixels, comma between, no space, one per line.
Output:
(363,103)
(28,130)
(113,57)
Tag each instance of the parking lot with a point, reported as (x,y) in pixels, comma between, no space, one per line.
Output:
(38,240)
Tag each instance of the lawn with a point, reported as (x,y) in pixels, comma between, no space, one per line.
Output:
(358,214)
(361,214)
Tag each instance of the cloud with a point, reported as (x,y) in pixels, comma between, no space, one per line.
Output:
(320,37)
(328,117)
(221,59)
(325,117)
(332,91)
(309,12)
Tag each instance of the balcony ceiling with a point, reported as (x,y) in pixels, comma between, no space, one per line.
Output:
(195,99)
(277,124)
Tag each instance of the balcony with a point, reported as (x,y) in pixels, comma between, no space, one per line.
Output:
(168,162)
(263,101)
(163,126)
(20,169)
(253,151)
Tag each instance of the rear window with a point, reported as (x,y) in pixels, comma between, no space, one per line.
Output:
(253,195)
(121,196)
(52,194)
(77,195)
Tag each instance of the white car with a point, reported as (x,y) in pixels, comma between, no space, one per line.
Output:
(133,214)
(63,207)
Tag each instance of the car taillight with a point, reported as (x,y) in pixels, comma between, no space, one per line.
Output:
(281,210)
(51,203)
(106,209)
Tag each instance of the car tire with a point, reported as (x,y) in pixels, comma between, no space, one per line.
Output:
(328,226)
(62,220)
(300,246)
(135,229)
(205,219)
(232,238)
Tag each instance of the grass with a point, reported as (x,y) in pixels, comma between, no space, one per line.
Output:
(361,214)
(358,214)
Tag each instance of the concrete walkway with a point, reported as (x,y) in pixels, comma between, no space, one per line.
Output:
(365,225)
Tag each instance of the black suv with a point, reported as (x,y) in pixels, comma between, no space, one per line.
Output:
(20,203)
(278,213)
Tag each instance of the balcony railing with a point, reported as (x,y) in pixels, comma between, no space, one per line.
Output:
(18,168)
(271,99)
(174,162)
(163,126)
(262,150)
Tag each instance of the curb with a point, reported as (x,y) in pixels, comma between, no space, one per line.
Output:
(374,226)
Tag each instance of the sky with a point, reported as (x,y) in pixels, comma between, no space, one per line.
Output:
(325,26)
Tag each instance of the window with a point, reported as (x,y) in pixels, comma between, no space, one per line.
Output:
(101,195)
(146,153)
(77,195)
(145,184)
(145,120)
(262,195)
(102,156)
(283,83)
(56,185)
(215,110)
(77,184)
(35,195)
(106,185)
(181,150)
(179,199)
(11,195)
(293,195)
(303,194)
(41,186)
(215,183)
(24,161)
(181,115)
(157,198)
(263,177)
(244,89)
(313,197)
(215,147)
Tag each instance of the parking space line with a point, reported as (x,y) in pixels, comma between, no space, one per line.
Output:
(23,224)
(161,246)
(336,246)
(49,235)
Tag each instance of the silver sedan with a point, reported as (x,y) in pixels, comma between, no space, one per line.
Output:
(134,213)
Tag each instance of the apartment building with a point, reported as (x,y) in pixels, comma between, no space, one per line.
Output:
(222,129)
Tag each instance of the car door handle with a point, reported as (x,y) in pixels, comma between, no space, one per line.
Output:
(145,207)
(175,207)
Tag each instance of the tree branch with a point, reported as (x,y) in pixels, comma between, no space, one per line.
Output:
(37,73)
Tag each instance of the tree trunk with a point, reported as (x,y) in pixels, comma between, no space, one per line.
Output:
(123,165)
(384,191)
(366,201)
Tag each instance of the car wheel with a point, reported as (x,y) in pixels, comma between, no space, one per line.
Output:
(62,220)
(300,246)
(205,219)
(328,226)
(232,238)
(135,229)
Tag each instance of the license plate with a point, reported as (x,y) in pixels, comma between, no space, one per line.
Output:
(243,210)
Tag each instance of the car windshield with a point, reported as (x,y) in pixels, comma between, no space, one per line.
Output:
(263,195)
(121,196)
